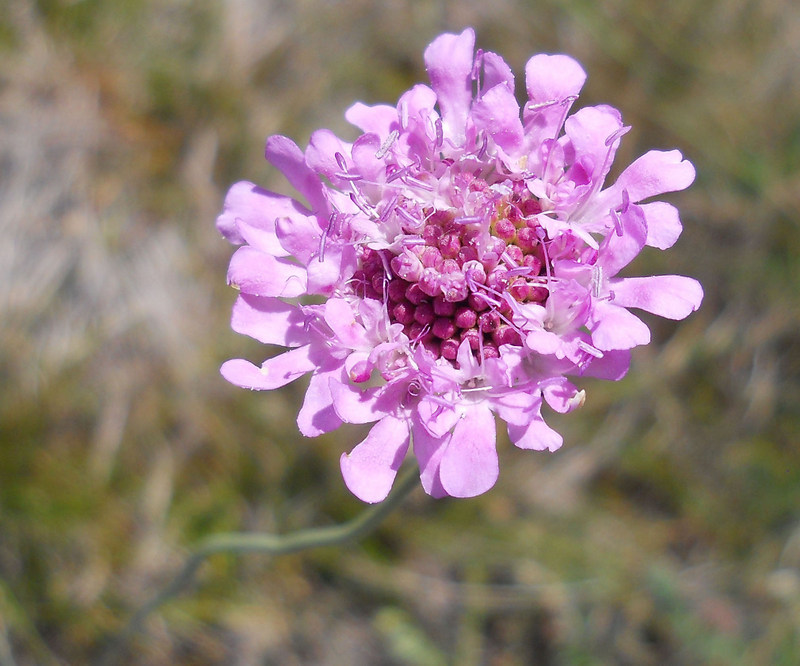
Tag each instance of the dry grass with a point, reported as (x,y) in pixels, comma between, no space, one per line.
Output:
(667,530)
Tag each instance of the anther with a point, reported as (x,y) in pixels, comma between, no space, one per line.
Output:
(387,209)
(411,222)
(617,222)
(439,133)
(484,146)
(589,349)
(324,237)
(387,144)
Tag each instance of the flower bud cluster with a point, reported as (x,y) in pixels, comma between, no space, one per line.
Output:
(451,282)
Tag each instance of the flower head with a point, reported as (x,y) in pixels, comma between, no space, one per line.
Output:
(463,258)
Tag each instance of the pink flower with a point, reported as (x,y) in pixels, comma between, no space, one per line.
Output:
(461,256)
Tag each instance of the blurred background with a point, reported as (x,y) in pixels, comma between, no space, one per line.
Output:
(665,531)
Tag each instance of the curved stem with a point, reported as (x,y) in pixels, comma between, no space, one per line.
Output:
(272,544)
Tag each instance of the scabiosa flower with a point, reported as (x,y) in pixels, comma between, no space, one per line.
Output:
(458,261)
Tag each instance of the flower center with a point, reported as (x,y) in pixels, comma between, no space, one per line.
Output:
(454,274)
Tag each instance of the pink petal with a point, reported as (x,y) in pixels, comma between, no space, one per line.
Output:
(284,154)
(553,78)
(321,153)
(317,415)
(437,418)
(416,105)
(339,316)
(516,406)
(614,327)
(663,224)
(249,214)
(299,237)
(273,373)
(671,296)
(269,320)
(561,395)
(654,173)
(495,72)
(354,404)
(467,362)
(588,129)
(614,365)
(338,264)
(428,451)
(617,251)
(536,436)
(543,342)
(260,274)
(449,60)
(369,469)
(497,112)
(364,150)
(380,119)
(469,464)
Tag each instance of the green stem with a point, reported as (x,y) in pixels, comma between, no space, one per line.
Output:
(271,544)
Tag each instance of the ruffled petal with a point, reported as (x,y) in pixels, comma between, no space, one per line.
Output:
(317,415)
(497,113)
(380,119)
(613,365)
(663,224)
(370,468)
(618,250)
(320,155)
(495,72)
(561,395)
(366,163)
(449,61)
(285,155)
(654,173)
(299,237)
(614,327)
(416,105)
(354,404)
(670,296)
(340,317)
(249,214)
(259,274)
(269,320)
(536,436)
(338,261)
(552,78)
(516,406)
(273,373)
(588,130)
(428,451)
(469,464)
(436,417)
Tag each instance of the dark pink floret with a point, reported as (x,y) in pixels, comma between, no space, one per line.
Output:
(465,317)
(444,328)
